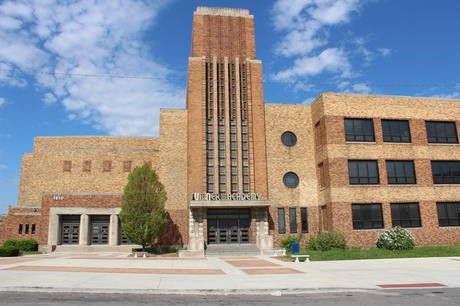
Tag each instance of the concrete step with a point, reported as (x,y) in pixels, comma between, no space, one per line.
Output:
(232,250)
(95,248)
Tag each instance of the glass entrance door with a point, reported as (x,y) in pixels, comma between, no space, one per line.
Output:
(228,226)
(70,229)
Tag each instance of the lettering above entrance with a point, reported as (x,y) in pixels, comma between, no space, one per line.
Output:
(226,196)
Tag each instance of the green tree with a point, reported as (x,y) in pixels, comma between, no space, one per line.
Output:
(142,215)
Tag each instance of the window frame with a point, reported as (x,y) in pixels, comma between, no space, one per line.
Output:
(289,139)
(361,179)
(293,220)
(396,132)
(443,179)
(288,175)
(400,209)
(304,219)
(433,127)
(356,131)
(358,221)
(406,179)
(443,207)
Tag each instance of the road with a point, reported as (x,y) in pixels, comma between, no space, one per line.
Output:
(421,297)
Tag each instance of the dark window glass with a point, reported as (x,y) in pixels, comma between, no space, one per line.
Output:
(441,132)
(446,172)
(359,130)
(20,229)
(363,172)
(448,213)
(281,224)
(367,216)
(289,139)
(401,172)
(304,218)
(32,231)
(396,131)
(292,220)
(291,180)
(26,231)
(405,214)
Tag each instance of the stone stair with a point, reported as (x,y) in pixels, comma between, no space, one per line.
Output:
(244,249)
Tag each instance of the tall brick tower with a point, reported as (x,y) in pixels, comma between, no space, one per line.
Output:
(226,121)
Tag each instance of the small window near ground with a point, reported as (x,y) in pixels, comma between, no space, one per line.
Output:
(32,231)
(87,166)
(405,215)
(26,231)
(107,166)
(367,216)
(20,229)
(281,221)
(67,166)
(289,139)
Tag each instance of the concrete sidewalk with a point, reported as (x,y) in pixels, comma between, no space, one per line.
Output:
(116,272)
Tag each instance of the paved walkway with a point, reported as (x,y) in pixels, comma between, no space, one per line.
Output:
(116,272)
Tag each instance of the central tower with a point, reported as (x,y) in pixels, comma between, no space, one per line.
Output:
(226,154)
(226,123)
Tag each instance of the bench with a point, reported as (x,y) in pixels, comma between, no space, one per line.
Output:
(279,252)
(141,254)
(307,257)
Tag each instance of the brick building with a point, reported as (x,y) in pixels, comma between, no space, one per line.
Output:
(238,170)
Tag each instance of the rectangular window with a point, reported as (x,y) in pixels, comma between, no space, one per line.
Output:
(20,229)
(87,166)
(67,166)
(445,172)
(363,172)
(292,220)
(26,231)
(367,216)
(396,131)
(405,214)
(127,165)
(281,224)
(448,213)
(32,231)
(107,166)
(441,132)
(304,219)
(401,172)
(361,130)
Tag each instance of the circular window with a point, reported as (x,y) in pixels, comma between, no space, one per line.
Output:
(289,139)
(291,180)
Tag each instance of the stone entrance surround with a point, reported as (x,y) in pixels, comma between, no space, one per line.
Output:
(85,213)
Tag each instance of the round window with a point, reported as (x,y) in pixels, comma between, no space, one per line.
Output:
(291,180)
(289,139)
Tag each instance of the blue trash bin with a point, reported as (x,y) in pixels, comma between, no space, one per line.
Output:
(295,248)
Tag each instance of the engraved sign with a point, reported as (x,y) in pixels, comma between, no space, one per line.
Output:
(58,197)
(253,196)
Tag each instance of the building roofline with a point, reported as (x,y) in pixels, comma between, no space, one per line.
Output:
(222,11)
(387,96)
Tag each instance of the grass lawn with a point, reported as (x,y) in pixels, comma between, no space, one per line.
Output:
(374,253)
(30,252)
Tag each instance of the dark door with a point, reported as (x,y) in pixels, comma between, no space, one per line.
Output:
(100,229)
(228,226)
(70,229)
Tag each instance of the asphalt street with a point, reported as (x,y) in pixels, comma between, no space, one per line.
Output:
(420,297)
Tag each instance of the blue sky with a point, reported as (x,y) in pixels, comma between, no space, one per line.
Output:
(107,67)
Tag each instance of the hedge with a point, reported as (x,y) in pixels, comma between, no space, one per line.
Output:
(26,245)
(6,251)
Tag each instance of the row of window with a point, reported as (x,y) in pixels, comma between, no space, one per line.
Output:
(369,216)
(107,165)
(292,220)
(362,130)
(26,229)
(366,172)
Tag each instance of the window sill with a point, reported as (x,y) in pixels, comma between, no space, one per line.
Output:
(397,143)
(442,144)
(365,185)
(449,226)
(446,185)
(360,142)
(369,229)
(402,185)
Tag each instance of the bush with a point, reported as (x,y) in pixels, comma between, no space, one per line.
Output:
(327,241)
(396,238)
(286,242)
(26,245)
(7,251)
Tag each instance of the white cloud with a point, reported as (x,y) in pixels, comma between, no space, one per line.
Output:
(332,60)
(305,26)
(347,86)
(2,101)
(92,38)
(3,166)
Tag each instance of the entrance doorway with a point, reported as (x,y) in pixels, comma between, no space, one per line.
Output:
(100,229)
(70,229)
(228,226)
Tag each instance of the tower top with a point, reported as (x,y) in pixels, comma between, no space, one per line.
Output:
(222,11)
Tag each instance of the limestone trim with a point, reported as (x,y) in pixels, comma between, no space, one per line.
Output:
(220,11)
(228,204)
